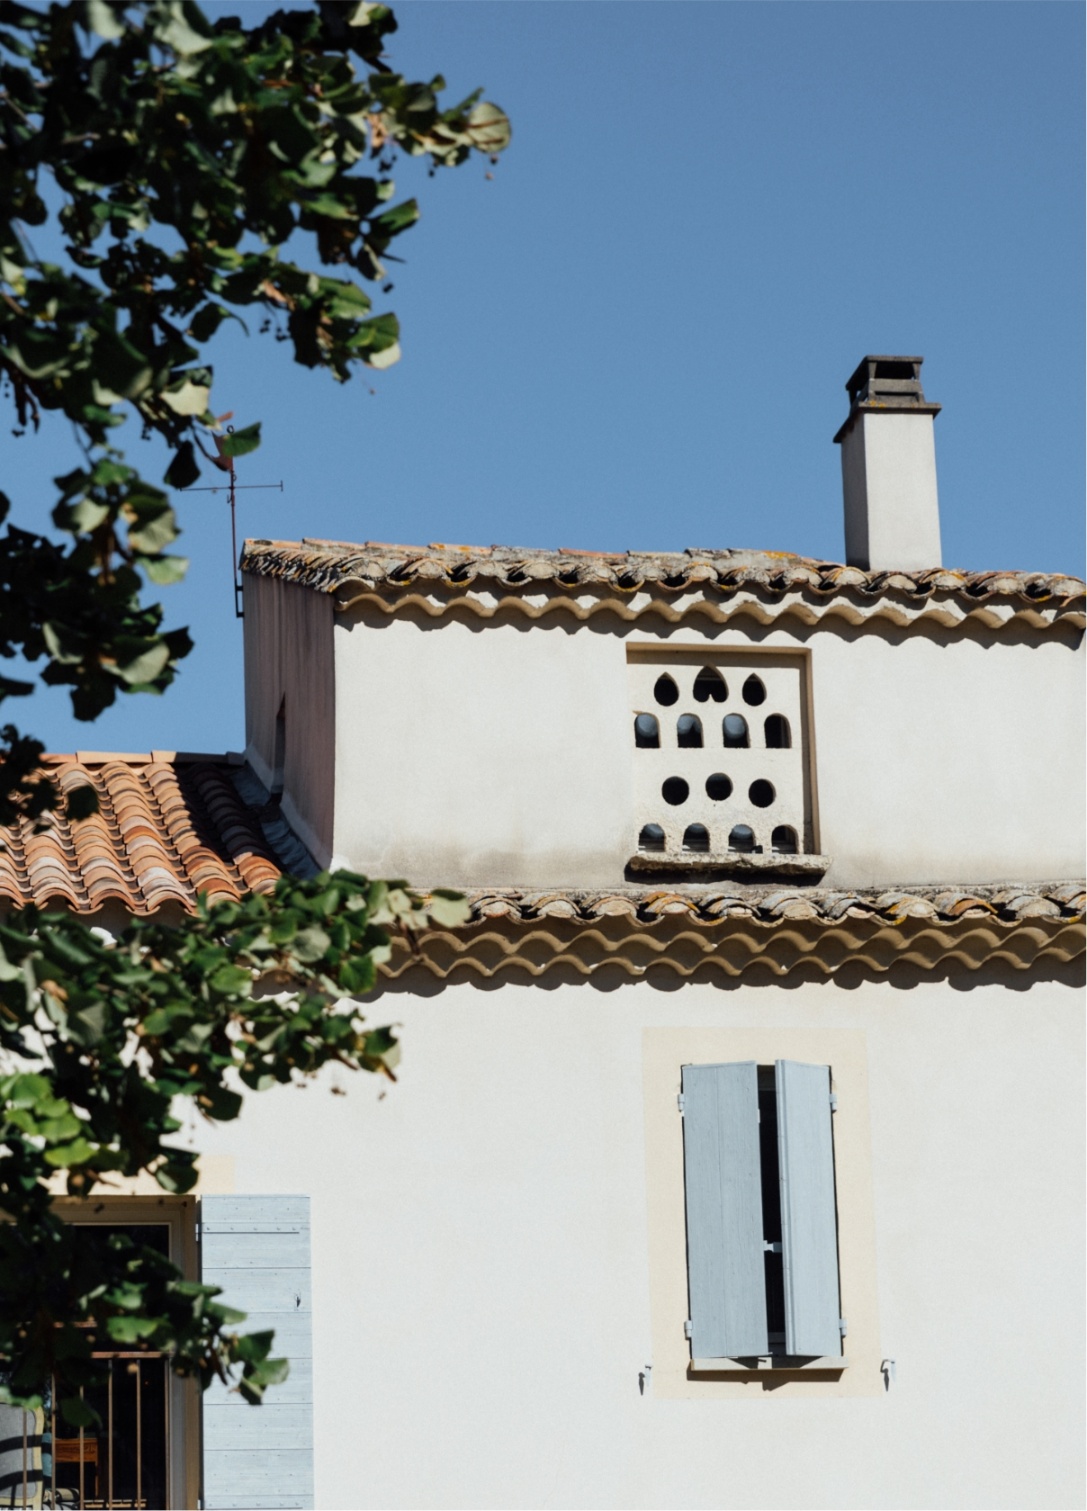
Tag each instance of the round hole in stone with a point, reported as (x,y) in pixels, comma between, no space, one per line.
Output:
(647,735)
(689,732)
(710,686)
(718,787)
(665,691)
(651,837)
(761,793)
(783,840)
(696,837)
(734,731)
(742,838)
(675,791)
(753,691)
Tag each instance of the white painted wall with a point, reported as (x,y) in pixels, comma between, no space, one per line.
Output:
(504,754)
(892,510)
(482,1296)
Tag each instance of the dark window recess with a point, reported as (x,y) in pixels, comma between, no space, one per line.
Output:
(710,686)
(778,736)
(675,791)
(771,1208)
(783,840)
(665,691)
(718,787)
(696,837)
(761,793)
(753,691)
(689,732)
(651,838)
(647,735)
(734,731)
(742,839)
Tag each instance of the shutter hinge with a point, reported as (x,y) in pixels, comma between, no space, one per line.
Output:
(197,1231)
(688,1328)
(680,1103)
(842,1326)
(770,1248)
(834,1101)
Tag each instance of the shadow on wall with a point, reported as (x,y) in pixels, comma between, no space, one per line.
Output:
(417,981)
(603,620)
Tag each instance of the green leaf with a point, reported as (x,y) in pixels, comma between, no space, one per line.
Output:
(102,19)
(80,802)
(131,1329)
(190,393)
(166,570)
(183,471)
(146,666)
(240,442)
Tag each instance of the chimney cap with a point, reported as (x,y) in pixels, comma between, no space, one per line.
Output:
(883,383)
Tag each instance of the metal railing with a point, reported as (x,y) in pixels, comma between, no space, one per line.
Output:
(119,1465)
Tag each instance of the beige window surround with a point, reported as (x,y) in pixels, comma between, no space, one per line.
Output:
(675,1374)
(179,1214)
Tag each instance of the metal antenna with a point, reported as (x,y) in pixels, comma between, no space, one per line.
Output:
(227,464)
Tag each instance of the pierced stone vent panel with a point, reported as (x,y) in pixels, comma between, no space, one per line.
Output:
(718,751)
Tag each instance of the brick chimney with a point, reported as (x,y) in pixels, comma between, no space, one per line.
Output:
(892,514)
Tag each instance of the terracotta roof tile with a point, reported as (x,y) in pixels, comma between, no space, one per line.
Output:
(717,584)
(168,828)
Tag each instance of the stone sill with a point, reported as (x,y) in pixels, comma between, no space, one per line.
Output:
(727,862)
(748,1366)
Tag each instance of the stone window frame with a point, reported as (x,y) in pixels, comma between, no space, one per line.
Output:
(735,663)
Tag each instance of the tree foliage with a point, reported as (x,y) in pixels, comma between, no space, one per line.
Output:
(179,172)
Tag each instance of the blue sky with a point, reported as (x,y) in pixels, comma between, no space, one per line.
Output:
(635,335)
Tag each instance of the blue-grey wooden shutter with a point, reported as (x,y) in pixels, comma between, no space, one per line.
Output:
(258,1249)
(809,1225)
(726,1276)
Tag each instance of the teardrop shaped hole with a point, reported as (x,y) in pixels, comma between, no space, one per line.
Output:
(665,690)
(753,691)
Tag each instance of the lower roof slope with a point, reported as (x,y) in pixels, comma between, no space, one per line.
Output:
(171,826)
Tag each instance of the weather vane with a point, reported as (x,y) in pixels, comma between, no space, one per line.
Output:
(225,463)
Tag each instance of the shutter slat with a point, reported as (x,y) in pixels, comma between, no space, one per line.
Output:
(809,1229)
(725,1270)
(261,1457)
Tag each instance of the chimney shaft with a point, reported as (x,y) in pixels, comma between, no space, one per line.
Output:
(892,514)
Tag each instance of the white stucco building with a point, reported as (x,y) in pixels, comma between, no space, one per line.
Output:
(736,1153)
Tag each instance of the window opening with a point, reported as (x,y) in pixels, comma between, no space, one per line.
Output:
(754,691)
(647,734)
(675,791)
(734,731)
(742,838)
(778,735)
(783,840)
(689,732)
(718,787)
(123,1460)
(651,837)
(770,1168)
(710,686)
(696,837)
(761,793)
(665,691)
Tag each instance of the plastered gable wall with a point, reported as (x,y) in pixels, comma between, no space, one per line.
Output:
(503,754)
(289,666)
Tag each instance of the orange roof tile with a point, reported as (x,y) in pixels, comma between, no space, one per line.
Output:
(168,827)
